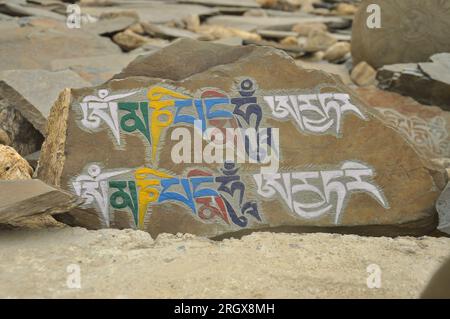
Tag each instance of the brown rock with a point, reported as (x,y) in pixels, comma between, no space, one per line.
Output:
(137,28)
(160,31)
(410,31)
(216,32)
(4,138)
(289,41)
(12,165)
(303,29)
(345,177)
(346,9)
(319,40)
(192,22)
(363,74)
(128,40)
(337,51)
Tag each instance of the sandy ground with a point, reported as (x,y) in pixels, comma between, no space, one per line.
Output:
(130,264)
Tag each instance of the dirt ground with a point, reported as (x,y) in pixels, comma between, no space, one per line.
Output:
(130,264)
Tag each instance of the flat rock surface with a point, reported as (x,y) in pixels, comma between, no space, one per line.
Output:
(35,47)
(262,265)
(41,87)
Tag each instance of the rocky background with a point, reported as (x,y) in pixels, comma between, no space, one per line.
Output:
(402,70)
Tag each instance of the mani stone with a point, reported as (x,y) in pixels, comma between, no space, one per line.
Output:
(427,82)
(410,31)
(21,199)
(427,127)
(312,155)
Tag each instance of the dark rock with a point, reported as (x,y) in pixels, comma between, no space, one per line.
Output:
(428,83)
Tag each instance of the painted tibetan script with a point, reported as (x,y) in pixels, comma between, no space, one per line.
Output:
(211,198)
(312,194)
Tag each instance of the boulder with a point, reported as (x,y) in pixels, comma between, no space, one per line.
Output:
(410,31)
(12,165)
(302,151)
(427,127)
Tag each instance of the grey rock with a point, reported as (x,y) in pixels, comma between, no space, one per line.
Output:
(110,25)
(224,3)
(255,23)
(152,11)
(96,69)
(161,31)
(428,82)
(41,87)
(35,47)
(15,110)
(17,10)
(24,198)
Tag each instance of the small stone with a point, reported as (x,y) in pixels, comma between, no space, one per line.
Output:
(346,9)
(319,40)
(192,22)
(137,28)
(337,51)
(363,74)
(12,165)
(289,41)
(303,29)
(129,40)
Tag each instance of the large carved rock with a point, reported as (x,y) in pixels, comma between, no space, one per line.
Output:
(125,148)
(427,127)
(410,31)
